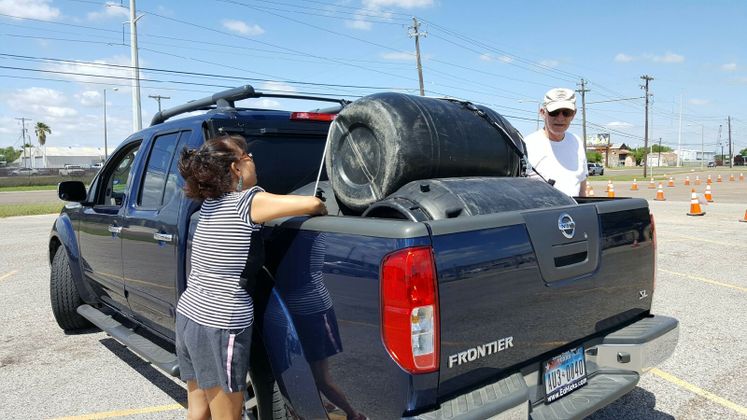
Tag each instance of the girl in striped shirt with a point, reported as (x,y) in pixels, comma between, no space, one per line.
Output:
(215,313)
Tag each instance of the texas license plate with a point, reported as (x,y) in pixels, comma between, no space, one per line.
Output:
(564,374)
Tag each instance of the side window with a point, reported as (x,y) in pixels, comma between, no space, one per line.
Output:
(157,170)
(115,182)
(173,181)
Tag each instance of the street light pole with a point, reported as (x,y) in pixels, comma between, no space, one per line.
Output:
(106,134)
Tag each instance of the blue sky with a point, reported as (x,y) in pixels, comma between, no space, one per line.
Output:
(57,57)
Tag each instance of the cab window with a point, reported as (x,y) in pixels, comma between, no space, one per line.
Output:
(157,171)
(114,183)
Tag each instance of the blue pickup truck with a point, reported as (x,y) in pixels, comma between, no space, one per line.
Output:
(510,300)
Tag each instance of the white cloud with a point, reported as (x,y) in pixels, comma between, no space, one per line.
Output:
(398,56)
(277,87)
(83,72)
(90,98)
(624,58)
(37,9)
(404,4)
(550,63)
(373,9)
(242,27)
(359,23)
(619,124)
(267,103)
(669,57)
(490,57)
(41,104)
(111,10)
(729,67)
(696,101)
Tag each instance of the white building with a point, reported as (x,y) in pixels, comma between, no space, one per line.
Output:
(58,157)
(691,156)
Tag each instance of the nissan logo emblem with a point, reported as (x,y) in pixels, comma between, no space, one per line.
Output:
(566,225)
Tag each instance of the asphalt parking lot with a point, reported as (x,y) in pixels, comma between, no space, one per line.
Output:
(702,281)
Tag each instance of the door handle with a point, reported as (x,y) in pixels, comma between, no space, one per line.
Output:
(115,229)
(163,237)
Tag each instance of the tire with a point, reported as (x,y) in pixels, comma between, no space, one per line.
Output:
(64,294)
(251,410)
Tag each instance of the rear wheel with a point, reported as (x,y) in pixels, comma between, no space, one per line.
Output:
(64,295)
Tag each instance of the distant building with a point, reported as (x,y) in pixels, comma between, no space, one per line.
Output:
(58,157)
(618,155)
(690,157)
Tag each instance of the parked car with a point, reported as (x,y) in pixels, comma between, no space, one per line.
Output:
(72,170)
(24,172)
(711,164)
(595,169)
(452,301)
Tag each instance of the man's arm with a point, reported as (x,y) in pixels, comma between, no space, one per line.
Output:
(582,193)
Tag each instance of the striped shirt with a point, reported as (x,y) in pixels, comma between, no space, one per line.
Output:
(220,248)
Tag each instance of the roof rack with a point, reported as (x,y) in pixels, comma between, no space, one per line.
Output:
(225,101)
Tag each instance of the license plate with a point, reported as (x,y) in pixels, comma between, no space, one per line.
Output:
(564,374)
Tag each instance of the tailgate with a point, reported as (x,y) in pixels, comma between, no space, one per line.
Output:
(518,287)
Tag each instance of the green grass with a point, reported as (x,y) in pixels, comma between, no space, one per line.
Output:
(11,210)
(29,188)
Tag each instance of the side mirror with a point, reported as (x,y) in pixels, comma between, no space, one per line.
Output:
(72,191)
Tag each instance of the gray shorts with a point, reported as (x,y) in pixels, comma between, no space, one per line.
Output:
(212,356)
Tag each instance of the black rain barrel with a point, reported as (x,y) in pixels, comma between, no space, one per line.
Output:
(381,142)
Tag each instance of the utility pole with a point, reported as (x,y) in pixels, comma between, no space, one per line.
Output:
(647,79)
(414,31)
(679,137)
(659,159)
(583,91)
(23,138)
(158,99)
(137,122)
(731,159)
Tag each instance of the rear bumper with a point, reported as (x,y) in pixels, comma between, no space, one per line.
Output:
(613,367)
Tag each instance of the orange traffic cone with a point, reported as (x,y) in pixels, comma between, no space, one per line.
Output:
(611,191)
(660,194)
(697,180)
(651,184)
(695,205)
(590,191)
(707,195)
(731,177)
(718,179)
(634,187)
(745,217)
(609,184)
(708,181)
(671,182)
(741,177)
(687,180)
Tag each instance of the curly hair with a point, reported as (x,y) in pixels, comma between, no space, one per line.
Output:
(206,171)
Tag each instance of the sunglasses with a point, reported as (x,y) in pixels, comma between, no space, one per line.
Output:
(566,113)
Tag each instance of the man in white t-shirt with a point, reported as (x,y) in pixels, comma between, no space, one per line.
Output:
(553,152)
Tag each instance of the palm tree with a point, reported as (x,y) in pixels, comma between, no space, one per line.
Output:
(41,131)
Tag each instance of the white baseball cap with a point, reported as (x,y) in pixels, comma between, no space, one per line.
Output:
(560,98)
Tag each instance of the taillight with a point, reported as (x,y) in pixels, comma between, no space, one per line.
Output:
(312,116)
(653,243)
(409,309)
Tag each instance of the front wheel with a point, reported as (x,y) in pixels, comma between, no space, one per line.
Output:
(64,295)
(277,409)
